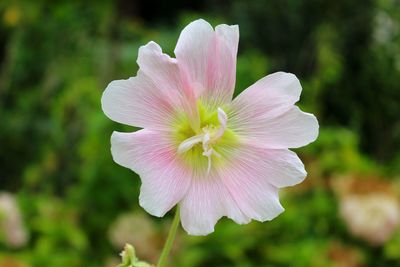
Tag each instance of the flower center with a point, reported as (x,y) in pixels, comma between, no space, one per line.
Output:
(208,137)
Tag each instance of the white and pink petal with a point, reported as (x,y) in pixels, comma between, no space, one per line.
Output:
(206,201)
(151,99)
(207,59)
(278,167)
(291,129)
(268,97)
(264,114)
(252,180)
(151,154)
(257,199)
(230,33)
(245,187)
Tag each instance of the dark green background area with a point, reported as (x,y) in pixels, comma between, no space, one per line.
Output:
(57,57)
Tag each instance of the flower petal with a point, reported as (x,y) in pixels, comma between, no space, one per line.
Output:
(265,114)
(151,154)
(205,203)
(257,199)
(268,97)
(162,70)
(251,180)
(150,99)
(231,35)
(208,60)
(243,189)
(279,167)
(291,129)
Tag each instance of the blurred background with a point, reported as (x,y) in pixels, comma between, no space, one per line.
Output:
(64,202)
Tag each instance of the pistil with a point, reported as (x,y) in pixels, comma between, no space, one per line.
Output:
(208,137)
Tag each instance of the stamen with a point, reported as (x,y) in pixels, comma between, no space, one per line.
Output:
(209,164)
(223,120)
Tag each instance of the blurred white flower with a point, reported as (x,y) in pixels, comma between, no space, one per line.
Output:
(386,28)
(369,207)
(12,230)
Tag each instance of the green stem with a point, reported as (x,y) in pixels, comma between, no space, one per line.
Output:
(170,239)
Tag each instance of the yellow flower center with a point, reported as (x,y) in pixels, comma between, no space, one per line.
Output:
(208,145)
(209,136)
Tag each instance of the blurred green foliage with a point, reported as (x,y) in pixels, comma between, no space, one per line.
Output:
(56,58)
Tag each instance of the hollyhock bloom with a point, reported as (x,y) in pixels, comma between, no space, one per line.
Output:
(213,155)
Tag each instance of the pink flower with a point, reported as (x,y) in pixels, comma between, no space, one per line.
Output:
(213,155)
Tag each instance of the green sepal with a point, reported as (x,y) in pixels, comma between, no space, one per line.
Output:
(129,258)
